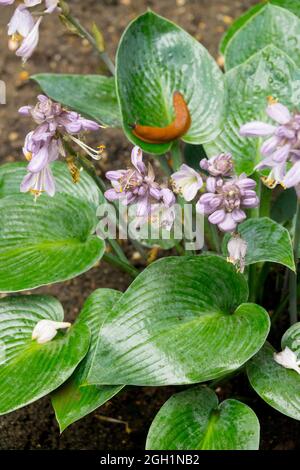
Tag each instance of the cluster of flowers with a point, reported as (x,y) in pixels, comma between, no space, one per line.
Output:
(23,28)
(137,186)
(46,143)
(225,198)
(281,151)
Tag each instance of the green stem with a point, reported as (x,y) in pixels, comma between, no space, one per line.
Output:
(176,155)
(293,301)
(254,213)
(83,32)
(165,165)
(265,201)
(124,266)
(214,238)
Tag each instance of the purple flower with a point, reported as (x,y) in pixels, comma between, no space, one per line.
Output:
(30,42)
(186,182)
(40,182)
(44,144)
(135,185)
(237,249)
(219,165)
(281,147)
(225,200)
(22,28)
(21,22)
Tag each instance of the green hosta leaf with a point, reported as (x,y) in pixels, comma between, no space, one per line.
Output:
(182,320)
(193,420)
(91,95)
(271,25)
(46,241)
(28,370)
(267,241)
(11,175)
(276,385)
(72,401)
(269,72)
(237,25)
(291,338)
(156,58)
(292,5)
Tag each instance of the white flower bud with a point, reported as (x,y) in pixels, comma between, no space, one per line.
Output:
(46,330)
(237,249)
(288,359)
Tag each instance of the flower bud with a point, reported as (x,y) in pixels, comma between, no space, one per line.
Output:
(45,330)
(288,359)
(237,249)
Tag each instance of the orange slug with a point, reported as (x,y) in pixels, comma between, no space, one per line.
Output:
(179,127)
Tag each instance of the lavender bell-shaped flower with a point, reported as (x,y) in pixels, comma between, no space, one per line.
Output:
(186,182)
(225,200)
(30,42)
(22,28)
(137,185)
(134,185)
(44,144)
(219,165)
(282,146)
(237,249)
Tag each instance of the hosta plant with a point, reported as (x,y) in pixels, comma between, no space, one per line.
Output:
(212,186)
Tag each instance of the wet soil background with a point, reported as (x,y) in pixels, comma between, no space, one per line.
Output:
(34,427)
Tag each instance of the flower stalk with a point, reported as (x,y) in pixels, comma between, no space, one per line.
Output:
(293,300)
(66,14)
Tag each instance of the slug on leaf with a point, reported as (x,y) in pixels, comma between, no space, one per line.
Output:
(179,127)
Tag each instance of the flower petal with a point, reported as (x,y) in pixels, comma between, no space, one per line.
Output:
(256,129)
(279,113)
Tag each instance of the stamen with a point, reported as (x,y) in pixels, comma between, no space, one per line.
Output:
(269,182)
(75,172)
(271,100)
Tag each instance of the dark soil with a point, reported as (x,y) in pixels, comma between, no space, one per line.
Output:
(34,427)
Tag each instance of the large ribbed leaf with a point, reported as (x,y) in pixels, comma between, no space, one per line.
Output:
(29,370)
(91,95)
(155,59)
(278,386)
(291,5)
(193,420)
(267,241)
(46,241)
(269,72)
(72,401)
(182,320)
(271,25)
(11,175)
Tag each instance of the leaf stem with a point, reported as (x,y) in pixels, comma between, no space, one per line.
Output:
(265,201)
(176,155)
(293,301)
(124,266)
(85,33)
